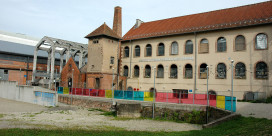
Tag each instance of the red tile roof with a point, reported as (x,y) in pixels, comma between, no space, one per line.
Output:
(260,13)
(103,30)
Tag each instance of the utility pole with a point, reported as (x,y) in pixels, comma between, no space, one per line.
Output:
(232,61)
(153,105)
(207,94)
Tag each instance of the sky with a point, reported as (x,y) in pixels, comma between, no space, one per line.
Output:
(73,19)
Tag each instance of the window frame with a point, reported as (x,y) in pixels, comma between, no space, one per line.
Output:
(218,44)
(171,48)
(185,70)
(161,72)
(235,45)
(185,47)
(267,71)
(255,42)
(235,71)
(136,52)
(134,71)
(145,75)
(126,55)
(200,44)
(158,49)
(146,50)
(176,73)
(124,71)
(216,70)
(202,73)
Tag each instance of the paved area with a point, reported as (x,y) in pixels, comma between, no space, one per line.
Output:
(257,110)
(23,115)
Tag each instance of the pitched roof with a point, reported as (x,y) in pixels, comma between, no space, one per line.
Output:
(260,13)
(103,30)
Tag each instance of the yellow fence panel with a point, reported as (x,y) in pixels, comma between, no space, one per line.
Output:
(108,94)
(148,96)
(220,102)
(65,90)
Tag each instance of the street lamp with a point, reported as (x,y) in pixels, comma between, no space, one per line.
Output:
(232,61)
(153,105)
(112,83)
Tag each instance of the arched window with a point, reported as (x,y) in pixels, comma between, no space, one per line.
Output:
(173,71)
(125,71)
(130,89)
(174,48)
(137,51)
(221,71)
(261,41)
(189,47)
(240,70)
(148,50)
(261,70)
(152,91)
(126,52)
(188,71)
(160,71)
(136,71)
(240,43)
(203,71)
(204,46)
(161,49)
(221,44)
(147,71)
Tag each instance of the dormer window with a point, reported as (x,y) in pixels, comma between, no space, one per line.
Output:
(95,41)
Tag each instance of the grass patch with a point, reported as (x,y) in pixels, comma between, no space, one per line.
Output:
(2,115)
(241,126)
(96,110)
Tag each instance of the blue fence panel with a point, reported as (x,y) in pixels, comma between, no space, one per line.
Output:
(38,94)
(128,95)
(118,94)
(60,90)
(228,103)
(138,96)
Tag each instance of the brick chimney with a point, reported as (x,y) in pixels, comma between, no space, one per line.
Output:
(117,21)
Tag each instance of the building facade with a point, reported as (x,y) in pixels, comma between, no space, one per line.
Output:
(181,48)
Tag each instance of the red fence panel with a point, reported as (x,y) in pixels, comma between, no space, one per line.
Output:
(187,98)
(212,100)
(101,93)
(93,92)
(86,92)
(201,99)
(78,91)
(161,97)
(173,97)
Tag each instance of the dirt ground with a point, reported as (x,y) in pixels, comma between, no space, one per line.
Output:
(15,114)
(257,110)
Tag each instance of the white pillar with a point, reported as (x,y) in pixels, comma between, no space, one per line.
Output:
(61,62)
(80,59)
(34,64)
(52,66)
(67,55)
(48,62)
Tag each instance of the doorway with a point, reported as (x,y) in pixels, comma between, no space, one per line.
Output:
(70,82)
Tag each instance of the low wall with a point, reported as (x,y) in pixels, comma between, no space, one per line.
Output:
(36,95)
(134,109)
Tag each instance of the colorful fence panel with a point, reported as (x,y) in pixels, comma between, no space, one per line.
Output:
(220,102)
(118,94)
(228,103)
(223,102)
(60,90)
(108,93)
(138,96)
(65,90)
(148,96)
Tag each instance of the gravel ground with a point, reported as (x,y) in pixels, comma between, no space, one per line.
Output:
(257,110)
(23,115)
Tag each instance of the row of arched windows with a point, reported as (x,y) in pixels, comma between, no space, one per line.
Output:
(261,71)
(221,46)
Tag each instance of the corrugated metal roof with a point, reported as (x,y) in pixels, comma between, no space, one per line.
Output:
(260,13)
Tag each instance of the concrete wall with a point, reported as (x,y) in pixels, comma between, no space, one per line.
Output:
(36,95)
(249,57)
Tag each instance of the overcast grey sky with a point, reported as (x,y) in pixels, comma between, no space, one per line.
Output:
(73,19)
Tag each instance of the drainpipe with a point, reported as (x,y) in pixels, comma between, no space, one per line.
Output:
(130,59)
(117,69)
(195,68)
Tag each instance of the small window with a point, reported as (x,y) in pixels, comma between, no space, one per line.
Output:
(147,71)
(95,41)
(188,71)
(189,47)
(203,71)
(180,93)
(204,46)
(261,41)
(174,48)
(221,71)
(126,52)
(97,83)
(240,43)
(148,50)
(5,71)
(112,60)
(125,71)
(240,71)
(136,71)
(137,51)
(261,71)
(160,71)
(173,71)
(161,49)
(221,44)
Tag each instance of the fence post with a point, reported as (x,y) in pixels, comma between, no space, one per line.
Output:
(167,97)
(82,91)
(179,96)
(89,90)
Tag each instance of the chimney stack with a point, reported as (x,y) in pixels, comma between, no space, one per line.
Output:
(117,21)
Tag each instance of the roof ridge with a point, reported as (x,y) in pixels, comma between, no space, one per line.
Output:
(211,11)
